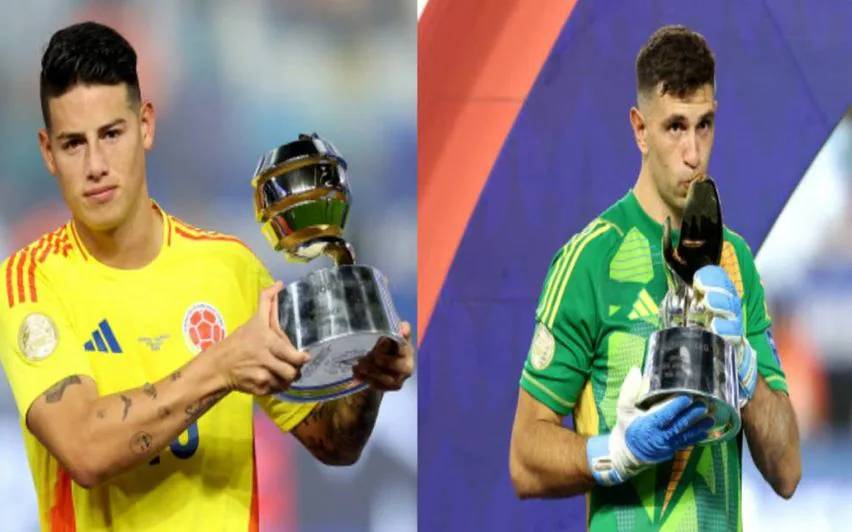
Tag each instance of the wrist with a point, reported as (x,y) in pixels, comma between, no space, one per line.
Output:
(210,371)
(602,463)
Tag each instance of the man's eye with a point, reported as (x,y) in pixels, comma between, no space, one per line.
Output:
(676,126)
(112,133)
(705,124)
(71,144)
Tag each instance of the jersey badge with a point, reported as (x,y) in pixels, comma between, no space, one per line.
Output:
(37,337)
(203,326)
(154,343)
(543,347)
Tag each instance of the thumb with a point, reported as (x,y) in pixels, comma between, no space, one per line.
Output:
(268,299)
(631,389)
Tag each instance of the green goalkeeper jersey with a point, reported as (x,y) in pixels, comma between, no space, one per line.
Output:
(598,306)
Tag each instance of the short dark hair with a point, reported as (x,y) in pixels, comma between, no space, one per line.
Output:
(86,53)
(677,57)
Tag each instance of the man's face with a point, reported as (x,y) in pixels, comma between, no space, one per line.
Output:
(96,150)
(676,140)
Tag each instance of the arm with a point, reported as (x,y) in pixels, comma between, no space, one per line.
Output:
(96,438)
(335,432)
(546,459)
(773,438)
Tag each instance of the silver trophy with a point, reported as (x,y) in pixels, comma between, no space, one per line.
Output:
(337,314)
(685,357)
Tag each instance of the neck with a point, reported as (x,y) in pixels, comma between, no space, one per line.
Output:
(131,245)
(652,203)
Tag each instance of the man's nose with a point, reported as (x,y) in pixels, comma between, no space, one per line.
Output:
(691,152)
(96,163)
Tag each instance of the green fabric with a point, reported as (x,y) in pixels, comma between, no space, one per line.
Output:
(597,308)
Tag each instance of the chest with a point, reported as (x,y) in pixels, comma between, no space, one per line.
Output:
(137,329)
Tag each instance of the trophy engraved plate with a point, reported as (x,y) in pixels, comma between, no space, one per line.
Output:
(336,314)
(685,357)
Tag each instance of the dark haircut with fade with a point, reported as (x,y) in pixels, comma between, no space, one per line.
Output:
(677,57)
(90,54)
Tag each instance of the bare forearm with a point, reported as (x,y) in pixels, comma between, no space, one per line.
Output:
(336,431)
(548,460)
(773,438)
(119,431)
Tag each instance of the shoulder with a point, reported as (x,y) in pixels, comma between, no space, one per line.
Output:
(587,249)
(186,237)
(40,262)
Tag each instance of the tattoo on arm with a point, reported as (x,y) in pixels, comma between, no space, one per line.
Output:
(150,390)
(175,375)
(163,412)
(101,414)
(339,429)
(141,442)
(127,403)
(194,410)
(55,392)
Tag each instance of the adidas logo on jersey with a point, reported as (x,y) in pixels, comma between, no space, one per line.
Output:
(644,308)
(103,340)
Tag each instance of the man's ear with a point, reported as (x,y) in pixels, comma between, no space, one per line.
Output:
(637,122)
(148,123)
(46,153)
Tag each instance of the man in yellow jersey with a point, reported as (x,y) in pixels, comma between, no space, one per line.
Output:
(136,344)
(600,303)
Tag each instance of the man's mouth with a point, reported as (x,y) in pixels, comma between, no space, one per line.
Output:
(101,194)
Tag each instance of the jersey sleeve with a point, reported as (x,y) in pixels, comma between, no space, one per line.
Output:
(759,324)
(560,355)
(284,413)
(38,345)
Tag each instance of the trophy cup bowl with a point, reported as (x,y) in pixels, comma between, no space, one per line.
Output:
(685,357)
(695,362)
(336,314)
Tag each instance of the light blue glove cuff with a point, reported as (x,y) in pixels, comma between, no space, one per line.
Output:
(600,463)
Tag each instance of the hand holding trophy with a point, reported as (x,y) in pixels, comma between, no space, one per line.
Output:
(686,356)
(337,314)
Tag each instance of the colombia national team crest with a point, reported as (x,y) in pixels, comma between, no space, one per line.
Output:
(203,326)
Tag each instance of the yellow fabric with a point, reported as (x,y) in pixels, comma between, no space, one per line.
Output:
(203,480)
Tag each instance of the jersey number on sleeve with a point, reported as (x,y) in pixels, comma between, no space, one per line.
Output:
(186,450)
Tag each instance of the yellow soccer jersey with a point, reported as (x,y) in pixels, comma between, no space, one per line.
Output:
(65,313)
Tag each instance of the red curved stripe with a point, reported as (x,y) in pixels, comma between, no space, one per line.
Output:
(470,89)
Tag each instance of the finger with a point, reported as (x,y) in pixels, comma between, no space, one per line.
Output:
(267,296)
(722,303)
(283,371)
(689,417)
(274,321)
(724,327)
(384,346)
(669,410)
(377,380)
(368,368)
(694,434)
(405,330)
(282,349)
(401,364)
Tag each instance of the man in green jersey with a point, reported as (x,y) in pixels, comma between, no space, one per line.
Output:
(600,303)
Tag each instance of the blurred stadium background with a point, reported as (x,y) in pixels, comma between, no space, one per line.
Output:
(230,80)
(544,90)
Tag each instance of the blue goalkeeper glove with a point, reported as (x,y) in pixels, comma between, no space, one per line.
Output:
(721,300)
(644,437)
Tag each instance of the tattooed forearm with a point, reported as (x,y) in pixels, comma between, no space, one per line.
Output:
(336,431)
(150,390)
(127,404)
(141,442)
(194,410)
(163,412)
(54,393)
(175,375)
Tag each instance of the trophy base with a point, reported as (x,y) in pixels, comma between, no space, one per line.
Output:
(337,315)
(695,362)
